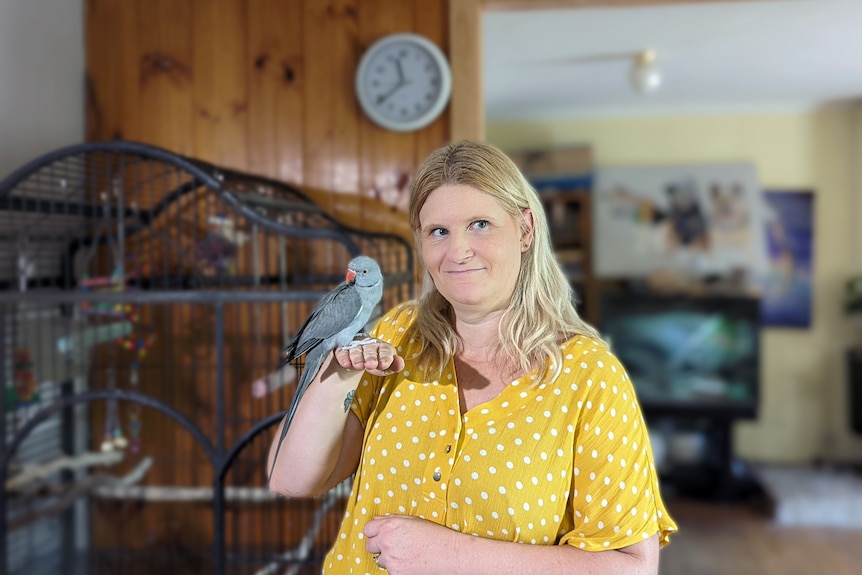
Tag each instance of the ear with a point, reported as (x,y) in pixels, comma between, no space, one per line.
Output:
(527,229)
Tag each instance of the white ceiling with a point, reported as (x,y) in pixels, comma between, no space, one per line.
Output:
(725,57)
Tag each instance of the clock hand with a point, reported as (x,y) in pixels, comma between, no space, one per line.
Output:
(400,71)
(383,97)
(401,82)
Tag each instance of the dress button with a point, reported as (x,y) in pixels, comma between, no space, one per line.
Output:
(437,476)
(448,448)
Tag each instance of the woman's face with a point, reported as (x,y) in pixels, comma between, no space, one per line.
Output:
(471,247)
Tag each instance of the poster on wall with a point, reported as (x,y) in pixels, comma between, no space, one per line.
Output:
(696,220)
(789,231)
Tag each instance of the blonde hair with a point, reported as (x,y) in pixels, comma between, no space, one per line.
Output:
(541,314)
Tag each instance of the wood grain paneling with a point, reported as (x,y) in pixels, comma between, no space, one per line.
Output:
(112,49)
(163,62)
(386,153)
(220,85)
(330,147)
(276,79)
(264,86)
(432,22)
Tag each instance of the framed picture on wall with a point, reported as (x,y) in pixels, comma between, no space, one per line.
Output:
(788,217)
(696,220)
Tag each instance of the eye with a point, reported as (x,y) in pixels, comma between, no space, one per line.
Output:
(481,224)
(437,232)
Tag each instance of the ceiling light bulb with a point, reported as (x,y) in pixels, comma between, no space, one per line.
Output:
(645,75)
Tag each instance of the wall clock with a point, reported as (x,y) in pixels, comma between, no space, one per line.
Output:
(403,82)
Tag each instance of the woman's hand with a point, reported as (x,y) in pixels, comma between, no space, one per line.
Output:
(407,545)
(371,355)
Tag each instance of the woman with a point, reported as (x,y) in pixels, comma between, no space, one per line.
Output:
(487,413)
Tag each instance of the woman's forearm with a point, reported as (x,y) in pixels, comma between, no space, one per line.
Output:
(475,555)
(413,546)
(314,446)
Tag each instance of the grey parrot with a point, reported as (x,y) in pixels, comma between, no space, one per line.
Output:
(336,319)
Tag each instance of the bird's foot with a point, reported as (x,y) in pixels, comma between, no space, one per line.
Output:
(358,342)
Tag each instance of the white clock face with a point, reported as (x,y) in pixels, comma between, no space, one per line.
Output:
(403,82)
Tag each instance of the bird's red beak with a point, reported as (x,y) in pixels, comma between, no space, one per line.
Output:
(351,276)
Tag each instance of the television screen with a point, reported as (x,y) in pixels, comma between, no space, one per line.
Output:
(695,355)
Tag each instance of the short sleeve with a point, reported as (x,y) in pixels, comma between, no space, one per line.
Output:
(389,328)
(615,495)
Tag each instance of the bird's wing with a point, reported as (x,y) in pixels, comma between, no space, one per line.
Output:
(333,313)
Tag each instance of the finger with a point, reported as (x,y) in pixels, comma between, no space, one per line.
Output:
(377,358)
(397,364)
(357,356)
(342,356)
(371,545)
(371,530)
(374,355)
(388,366)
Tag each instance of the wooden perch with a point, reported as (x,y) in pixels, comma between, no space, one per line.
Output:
(93,336)
(66,495)
(31,477)
(173,493)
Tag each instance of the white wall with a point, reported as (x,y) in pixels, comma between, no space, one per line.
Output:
(41,78)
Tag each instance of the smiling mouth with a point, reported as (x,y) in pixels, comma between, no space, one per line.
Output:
(462,272)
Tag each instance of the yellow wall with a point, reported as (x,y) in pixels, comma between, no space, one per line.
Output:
(803,412)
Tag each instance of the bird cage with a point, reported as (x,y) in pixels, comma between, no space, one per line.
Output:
(144,299)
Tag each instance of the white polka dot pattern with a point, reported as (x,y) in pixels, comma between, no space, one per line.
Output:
(561,463)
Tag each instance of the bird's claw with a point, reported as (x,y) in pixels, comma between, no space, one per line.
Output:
(358,342)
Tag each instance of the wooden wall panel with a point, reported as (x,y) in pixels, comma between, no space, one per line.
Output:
(112,49)
(276,80)
(431,22)
(161,69)
(265,86)
(385,152)
(330,29)
(220,83)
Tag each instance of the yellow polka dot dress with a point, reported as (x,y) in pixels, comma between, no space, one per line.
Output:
(567,462)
